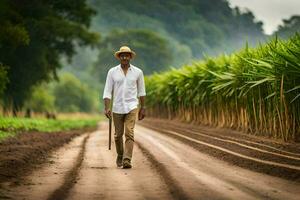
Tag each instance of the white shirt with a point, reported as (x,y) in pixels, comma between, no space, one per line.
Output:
(125,89)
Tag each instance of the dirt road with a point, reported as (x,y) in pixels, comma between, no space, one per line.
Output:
(164,167)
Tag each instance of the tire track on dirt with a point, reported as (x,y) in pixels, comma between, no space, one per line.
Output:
(175,190)
(234,153)
(243,145)
(223,180)
(270,145)
(70,178)
(284,163)
(242,186)
(286,171)
(197,181)
(100,178)
(271,148)
(245,151)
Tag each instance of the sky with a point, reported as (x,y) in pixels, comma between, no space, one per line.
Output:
(270,12)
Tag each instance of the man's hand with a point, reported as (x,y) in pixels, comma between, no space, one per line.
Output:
(108,113)
(142,113)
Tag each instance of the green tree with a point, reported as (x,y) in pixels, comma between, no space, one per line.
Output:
(153,51)
(71,95)
(13,32)
(53,29)
(206,27)
(3,78)
(41,100)
(290,27)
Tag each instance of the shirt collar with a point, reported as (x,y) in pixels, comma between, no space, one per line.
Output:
(130,66)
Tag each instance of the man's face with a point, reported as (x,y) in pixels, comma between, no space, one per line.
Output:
(125,58)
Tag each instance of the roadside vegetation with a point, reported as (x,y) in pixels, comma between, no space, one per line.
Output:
(11,126)
(256,90)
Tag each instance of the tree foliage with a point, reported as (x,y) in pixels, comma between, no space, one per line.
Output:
(3,78)
(153,51)
(207,27)
(191,28)
(41,100)
(41,31)
(290,26)
(71,95)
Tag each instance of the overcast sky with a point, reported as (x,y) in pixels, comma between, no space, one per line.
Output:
(270,12)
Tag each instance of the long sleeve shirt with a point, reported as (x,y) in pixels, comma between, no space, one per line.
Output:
(125,88)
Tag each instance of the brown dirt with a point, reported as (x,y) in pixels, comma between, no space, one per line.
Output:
(100,178)
(201,176)
(175,190)
(226,132)
(21,154)
(70,178)
(165,166)
(208,135)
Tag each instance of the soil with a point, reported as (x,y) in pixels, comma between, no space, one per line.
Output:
(171,160)
(285,156)
(21,154)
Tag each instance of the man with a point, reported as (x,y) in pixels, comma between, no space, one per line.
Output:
(126,82)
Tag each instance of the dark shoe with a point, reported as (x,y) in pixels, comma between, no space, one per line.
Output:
(126,163)
(119,161)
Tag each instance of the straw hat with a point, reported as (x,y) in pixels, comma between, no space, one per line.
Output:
(125,49)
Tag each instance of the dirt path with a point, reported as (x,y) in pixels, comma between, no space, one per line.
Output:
(256,153)
(164,167)
(205,177)
(44,181)
(100,178)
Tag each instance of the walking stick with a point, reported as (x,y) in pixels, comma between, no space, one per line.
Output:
(109,137)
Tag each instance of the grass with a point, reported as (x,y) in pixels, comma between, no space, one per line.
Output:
(10,126)
(4,134)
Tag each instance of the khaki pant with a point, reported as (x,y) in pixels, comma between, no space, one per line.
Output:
(126,121)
